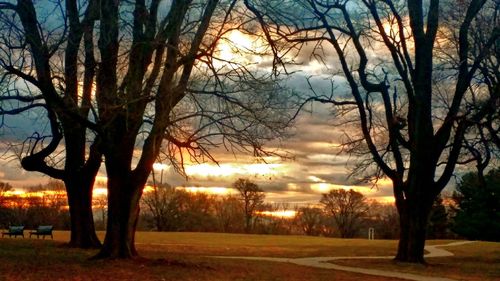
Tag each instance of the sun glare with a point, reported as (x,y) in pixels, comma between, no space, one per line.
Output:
(279,214)
(160,167)
(208,190)
(99,191)
(15,192)
(238,47)
(385,199)
(228,170)
(315,179)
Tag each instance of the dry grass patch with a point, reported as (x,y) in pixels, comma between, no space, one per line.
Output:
(262,245)
(41,260)
(478,261)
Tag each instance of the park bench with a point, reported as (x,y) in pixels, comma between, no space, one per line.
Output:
(14,230)
(43,230)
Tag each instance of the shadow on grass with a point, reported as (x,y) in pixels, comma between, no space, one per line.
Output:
(25,259)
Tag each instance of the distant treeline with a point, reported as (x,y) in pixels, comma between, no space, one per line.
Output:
(339,213)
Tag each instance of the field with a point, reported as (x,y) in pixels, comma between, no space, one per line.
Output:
(187,256)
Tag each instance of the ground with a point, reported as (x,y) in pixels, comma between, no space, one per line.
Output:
(189,256)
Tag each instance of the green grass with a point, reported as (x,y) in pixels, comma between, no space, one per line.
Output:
(186,256)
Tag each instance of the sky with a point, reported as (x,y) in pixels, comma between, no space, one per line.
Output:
(314,168)
(315,165)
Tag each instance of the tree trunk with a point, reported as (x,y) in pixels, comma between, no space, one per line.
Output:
(123,214)
(79,178)
(412,236)
(82,221)
(248,223)
(413,219)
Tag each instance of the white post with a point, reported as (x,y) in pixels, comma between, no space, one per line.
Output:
(371,233)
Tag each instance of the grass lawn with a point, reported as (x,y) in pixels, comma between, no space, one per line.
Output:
(479,261)
(184,256)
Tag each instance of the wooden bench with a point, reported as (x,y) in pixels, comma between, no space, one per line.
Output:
(43,230)
(14,230)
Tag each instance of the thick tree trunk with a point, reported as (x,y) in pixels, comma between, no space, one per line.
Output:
(123,214)
(79,178)
(414,210)
(413,227)
(82,221)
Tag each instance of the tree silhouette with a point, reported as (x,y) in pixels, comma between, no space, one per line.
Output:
(37,78)
(154,82)
(252,196)
(411,129)
(310,219)
(347,209)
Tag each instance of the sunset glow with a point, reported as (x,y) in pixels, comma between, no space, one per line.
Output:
(160,167)
(24,194)
(228,170)
(281,214)
(237,47)
(99,191)
(207,190)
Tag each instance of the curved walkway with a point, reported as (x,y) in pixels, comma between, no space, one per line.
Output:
(325,262)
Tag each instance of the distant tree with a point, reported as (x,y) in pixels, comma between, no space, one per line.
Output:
(310,219)
(160,203)
(165,206)
(228,212)
(4,187)
(100,206)
(276,221)
(347,209)
(478,203)
(45,204)
(4,211)
(438,220)
(171,209)
(195,211)
(384,218)
(252,196)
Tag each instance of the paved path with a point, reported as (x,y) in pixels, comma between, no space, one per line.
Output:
(325,262)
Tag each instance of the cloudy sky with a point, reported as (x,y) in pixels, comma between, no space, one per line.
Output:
(314,168)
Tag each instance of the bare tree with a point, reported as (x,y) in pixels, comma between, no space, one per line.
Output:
(4,188)
(159,82)
(100,207)
(408,132)
(40,61)
(162,204)
(310,220)
(481,104)
(252,196)
(229,214)
(383,217)
(347,209)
